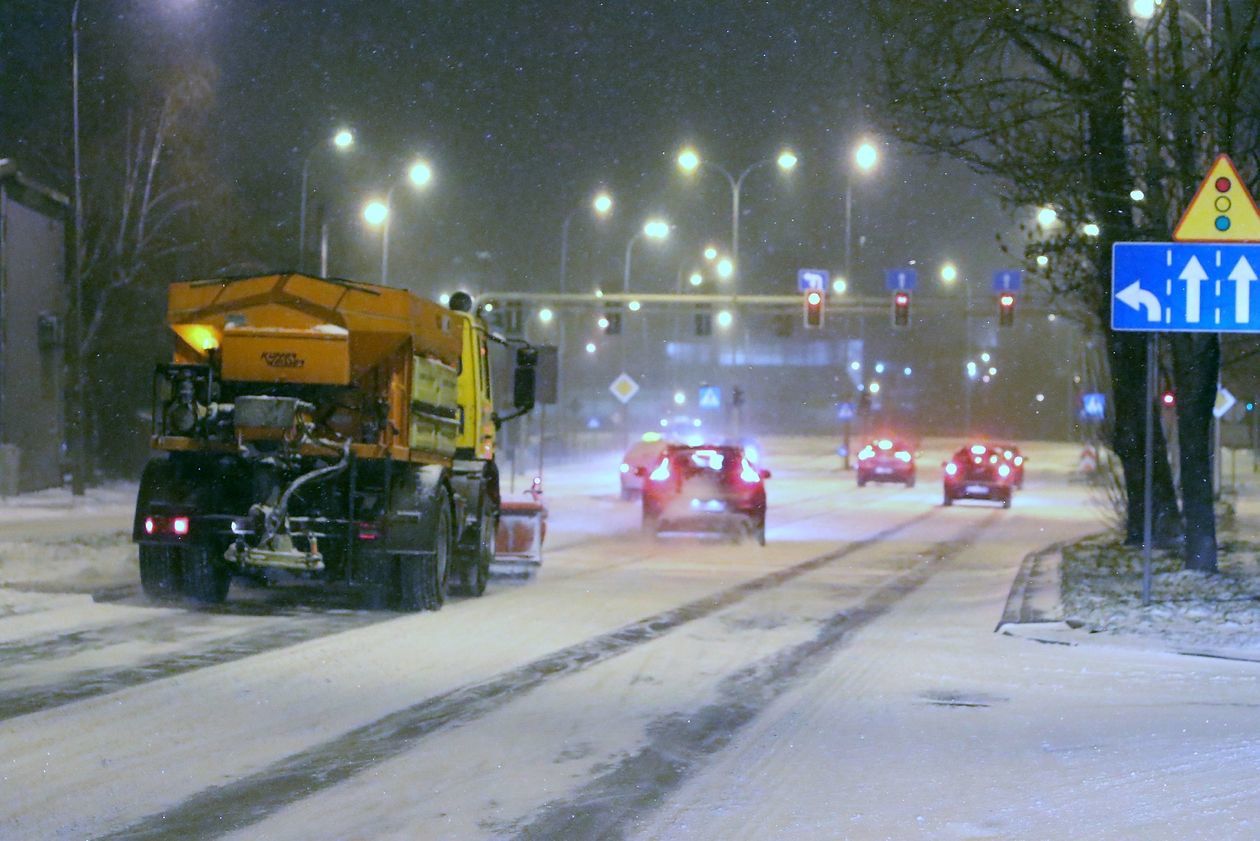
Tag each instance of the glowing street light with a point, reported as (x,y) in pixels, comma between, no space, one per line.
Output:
(710,253)
(656,229)
(949,273)
(1090,229)
(725,319)
(874,388)
(839,286)
(590,347)
(725,268)
(603,323)
(342,141)
(1142,9)
(420,173)
(602,205)
(545,315)
(1047,216)
(375,212)
(866,156)
(679,398)
(1137,195)
(696,279)
(689,161)
(635,306)
(1043,260)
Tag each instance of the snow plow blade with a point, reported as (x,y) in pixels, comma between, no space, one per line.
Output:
(518,543)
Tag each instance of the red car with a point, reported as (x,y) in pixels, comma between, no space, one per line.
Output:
(979,471)
(885,460)
(708,488)
(1016,460)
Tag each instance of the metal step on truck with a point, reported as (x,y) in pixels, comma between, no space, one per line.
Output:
(340,431)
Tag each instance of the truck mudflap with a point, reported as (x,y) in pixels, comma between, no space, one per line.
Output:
(519,540)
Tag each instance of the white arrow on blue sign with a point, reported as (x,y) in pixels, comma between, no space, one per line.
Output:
(900,280)
(1184,286)
(808,280)
(1007,280)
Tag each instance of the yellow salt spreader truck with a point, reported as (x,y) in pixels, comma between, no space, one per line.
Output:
(338,430)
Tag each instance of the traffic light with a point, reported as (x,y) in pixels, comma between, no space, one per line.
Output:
(1168,399)
(704,321)
(814,302)
(1006,309)
(901,309)
(612,321)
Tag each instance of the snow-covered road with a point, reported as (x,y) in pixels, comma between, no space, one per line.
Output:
(842,682)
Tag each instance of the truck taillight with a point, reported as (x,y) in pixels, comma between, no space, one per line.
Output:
(179,526)
(149,525)
(368,531)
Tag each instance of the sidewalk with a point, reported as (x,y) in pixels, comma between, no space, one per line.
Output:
(1089,592)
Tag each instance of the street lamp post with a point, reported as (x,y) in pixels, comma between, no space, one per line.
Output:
(657,229)
(865,156)
(381,212)
(602,205)
(689,161)
(79,442)
(341,141)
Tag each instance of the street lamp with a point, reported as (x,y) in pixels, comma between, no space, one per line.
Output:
(376,212)
(601,205)
(689,161)
(1047,216)
(725,268)
(342,141)
(948,273)
(865,156)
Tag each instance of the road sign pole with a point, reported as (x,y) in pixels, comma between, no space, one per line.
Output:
(1148,474)
(848,428)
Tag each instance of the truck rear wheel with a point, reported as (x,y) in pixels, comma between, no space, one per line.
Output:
(475,559)
(422,577)
(160,572)
(206,577)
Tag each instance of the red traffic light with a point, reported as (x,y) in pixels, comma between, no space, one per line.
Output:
(1168,399)
(1006,309)
(901,309)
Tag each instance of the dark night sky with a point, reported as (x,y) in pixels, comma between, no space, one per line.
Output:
(523,108)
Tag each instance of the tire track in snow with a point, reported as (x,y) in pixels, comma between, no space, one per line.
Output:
(92,682)
(246,801)
(609,805)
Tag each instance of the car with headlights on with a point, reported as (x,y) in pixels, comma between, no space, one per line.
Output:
(706,489)
(641,457)
(979,471)
(886,460)
(1016,460)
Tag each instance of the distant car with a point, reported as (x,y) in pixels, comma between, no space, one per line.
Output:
(979,471)
(642,456)
(886,460)
(706,488)
(1011,453)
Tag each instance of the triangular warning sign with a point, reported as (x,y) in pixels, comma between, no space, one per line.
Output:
(1222,210)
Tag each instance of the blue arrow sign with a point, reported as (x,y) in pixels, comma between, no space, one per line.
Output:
(1007,280)
(812,279)
(900,280)
(1184,287)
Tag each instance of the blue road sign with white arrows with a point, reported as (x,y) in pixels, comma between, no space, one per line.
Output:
(1184,287)
(1007,280)
(900,280)
(812,280)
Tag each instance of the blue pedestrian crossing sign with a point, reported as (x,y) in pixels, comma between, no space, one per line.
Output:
(811,280)
(1184,287)
(1007,280)
(710,397)
(1093,406)
(900,280)
(846,412)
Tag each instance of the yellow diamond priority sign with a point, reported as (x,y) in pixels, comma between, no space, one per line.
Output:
(1222,210)
(624,387)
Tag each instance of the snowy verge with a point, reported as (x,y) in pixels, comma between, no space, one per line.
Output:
(1100,583)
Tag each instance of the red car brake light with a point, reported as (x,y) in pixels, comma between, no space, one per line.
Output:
(661,473)
(748,473)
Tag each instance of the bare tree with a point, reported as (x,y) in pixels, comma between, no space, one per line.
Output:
(1078,106)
